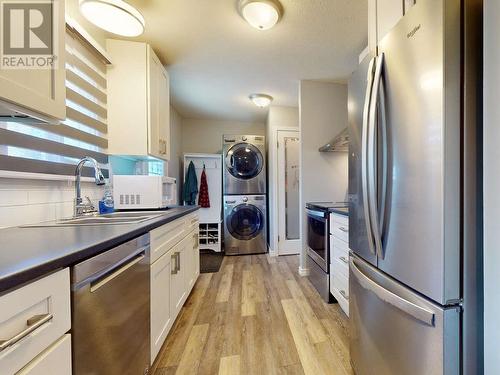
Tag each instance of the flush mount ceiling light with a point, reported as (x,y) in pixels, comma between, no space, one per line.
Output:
(115,16)
(261,100)
(261,14)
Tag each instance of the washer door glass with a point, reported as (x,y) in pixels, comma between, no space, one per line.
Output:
(244,161)
(245,222)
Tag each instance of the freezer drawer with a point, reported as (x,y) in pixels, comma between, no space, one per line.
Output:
(395,331)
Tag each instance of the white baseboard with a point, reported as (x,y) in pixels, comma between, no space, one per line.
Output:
(272,253)
(303,271)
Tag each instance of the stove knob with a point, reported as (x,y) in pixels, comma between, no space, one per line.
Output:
(244,139)
(245,199)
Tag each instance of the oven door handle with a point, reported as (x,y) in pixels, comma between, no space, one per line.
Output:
(314,213)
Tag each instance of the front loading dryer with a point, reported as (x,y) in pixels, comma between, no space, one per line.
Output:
(245,227)
(244,164)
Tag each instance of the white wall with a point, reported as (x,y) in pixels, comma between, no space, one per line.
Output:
(24,201)
(278,118)
(175,163)
(491,187)
(205,136)
(323,114)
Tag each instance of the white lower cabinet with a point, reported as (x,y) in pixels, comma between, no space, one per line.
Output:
(32,318)
(161,319)
(339,260)
(173,275)
(178,288)
(56,360)
(192,249)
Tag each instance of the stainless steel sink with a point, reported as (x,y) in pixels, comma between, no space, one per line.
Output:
(133,214)
(106,219)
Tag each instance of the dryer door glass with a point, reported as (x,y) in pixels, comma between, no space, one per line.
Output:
(244,161)
(245,222)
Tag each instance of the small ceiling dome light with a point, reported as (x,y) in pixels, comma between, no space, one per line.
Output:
(261,100)
(261,14)
(115,16)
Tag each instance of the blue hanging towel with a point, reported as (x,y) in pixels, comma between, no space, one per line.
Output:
(190,190)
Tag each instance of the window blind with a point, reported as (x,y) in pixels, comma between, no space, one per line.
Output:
(56,149)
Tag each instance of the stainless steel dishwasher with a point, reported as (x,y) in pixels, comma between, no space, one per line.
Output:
(111,311)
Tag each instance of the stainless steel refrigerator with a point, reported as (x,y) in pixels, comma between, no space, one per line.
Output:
(415,200)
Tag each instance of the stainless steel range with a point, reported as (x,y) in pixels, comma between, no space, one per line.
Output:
(318,248)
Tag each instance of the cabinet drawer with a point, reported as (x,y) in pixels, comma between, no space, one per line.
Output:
(339,250)
(192,222)
(340,231)
(339,219)
(38,314)
(339,287)
(56,360)
(339,268)
(341,283)
(343,302)
(165,237)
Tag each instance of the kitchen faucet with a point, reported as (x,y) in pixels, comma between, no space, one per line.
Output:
(80,207)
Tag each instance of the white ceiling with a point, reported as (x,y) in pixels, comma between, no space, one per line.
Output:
(215,59)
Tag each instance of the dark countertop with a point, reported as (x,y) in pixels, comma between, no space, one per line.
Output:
(28,253)
(339,210)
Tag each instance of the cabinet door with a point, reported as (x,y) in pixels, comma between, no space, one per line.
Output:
(161,320)
(389,12)
(177,279)
(56,360)
(196,255)
(155,144)
(164,113)
(191,254)
(39,90)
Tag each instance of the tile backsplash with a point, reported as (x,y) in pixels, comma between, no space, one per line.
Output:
(32,201)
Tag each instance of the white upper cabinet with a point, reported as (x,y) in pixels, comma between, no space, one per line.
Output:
(382,17)
(389,12)
(39,91)
(138,101)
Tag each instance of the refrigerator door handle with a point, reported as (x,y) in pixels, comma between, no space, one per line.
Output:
(398,302)
(364,156)
(383,131)
(376,209)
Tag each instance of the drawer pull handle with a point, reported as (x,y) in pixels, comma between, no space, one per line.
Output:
(33,323)
(173,259)
(343,229)
(344,294)
(344,259)
(196,238)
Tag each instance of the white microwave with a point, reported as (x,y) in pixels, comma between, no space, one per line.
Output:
(143,192)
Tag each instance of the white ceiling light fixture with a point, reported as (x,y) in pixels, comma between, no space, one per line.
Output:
(261,14)
(261,100)
(115,16)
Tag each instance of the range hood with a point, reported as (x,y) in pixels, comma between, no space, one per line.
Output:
(338,144)
(14,113)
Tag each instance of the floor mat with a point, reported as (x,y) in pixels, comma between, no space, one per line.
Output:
(210,261)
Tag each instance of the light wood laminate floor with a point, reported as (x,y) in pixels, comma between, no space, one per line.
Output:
(256,316)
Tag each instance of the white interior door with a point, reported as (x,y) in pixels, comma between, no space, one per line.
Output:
(289,241)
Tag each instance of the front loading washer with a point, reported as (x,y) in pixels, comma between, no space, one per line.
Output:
(244,164)
(245,227)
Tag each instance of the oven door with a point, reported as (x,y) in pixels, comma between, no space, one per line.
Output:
(317,238)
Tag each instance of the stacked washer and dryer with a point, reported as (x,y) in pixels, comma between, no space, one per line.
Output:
(245,201)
